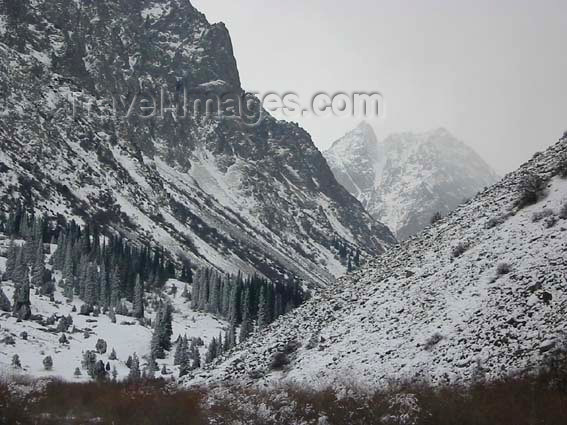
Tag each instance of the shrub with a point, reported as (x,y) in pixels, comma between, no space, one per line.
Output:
(459,249)
(563,211)
(48,363)
(436,217)
(503,268)
(16,361)
(540,215)
(562,166)
(433,341)
(529,188)
(550,221)
(101,346)
(279,361)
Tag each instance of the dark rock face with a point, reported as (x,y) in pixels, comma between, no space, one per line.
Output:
(406,179)
(218,191)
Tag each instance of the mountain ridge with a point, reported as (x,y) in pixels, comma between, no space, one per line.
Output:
(407,178)
(218,192)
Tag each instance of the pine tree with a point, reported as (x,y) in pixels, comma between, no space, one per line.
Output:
(68,267)
(115,288)
(22,304)
(181,352)
(134,374)
(245,328)
(114,373)
(99,371)
(90,284)
(11,260)
(138,298)
(211,351)
(38,267)
(263,313)
(156,349)
(230,338)
(16,361)
(48,363)
(77,372)
(112,355)
(103,298)
(21,272)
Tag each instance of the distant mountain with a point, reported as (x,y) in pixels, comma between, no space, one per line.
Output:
(214,191)
(479,295)
(404,180)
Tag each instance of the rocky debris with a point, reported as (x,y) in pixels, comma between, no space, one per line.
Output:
(448,321)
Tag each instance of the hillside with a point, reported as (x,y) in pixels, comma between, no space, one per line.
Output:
(407,178)
(214,190)
(479,295)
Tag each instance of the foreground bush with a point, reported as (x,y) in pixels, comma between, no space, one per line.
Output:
(142,403)
(519,401)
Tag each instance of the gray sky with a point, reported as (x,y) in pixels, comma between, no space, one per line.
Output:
(493,72)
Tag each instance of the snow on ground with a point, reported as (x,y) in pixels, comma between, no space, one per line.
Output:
(420,312)
(126,336)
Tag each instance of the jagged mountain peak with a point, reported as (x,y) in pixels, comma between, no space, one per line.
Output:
(239,198)
(408,177)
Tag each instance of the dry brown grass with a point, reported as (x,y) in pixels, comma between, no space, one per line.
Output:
(540,400)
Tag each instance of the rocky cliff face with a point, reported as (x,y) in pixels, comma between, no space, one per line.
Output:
(217,190)
(404,180)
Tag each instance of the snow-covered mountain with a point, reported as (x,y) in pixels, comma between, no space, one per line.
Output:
(406,179)
(255,199)
(480,294)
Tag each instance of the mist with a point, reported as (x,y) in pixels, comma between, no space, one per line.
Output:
(492,73)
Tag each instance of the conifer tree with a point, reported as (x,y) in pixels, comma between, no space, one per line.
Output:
(21,272)
(138,298)
(245,327)
(134,374)
(38,267)
(103,287)
(68,267)
(48,363)
(211,351)
(263,313)
(88,286)
(16,361)
(115,294)
(11,260)
(181,352)
(230,338)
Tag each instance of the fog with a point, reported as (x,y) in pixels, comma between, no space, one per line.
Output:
(494,73)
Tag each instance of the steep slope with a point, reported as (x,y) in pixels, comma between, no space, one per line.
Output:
(404,180)
(480,294)
(222,192)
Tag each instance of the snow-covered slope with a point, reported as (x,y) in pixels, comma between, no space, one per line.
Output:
(480,294)
(127,336)
(404,180)
(221,193)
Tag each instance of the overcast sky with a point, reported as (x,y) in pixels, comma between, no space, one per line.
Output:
(493,72)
